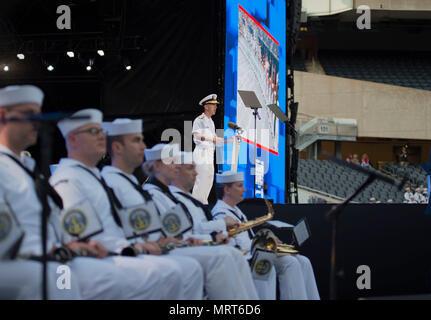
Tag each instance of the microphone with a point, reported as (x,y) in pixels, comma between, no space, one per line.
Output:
(233,126)
(377,175)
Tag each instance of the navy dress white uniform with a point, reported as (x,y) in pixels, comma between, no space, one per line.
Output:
(203,153)
(295,272)
(22,279)
(154,277)
(203,224)
(222,281)
(125,191)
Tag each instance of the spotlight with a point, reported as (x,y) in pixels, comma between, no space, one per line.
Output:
(71,54)
(20,56)
(50,67)
(6,68)
(128,67)
(100,53)
(90,64)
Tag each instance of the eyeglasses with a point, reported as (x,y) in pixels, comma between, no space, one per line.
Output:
(92,131)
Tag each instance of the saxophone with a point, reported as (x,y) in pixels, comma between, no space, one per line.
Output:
(253,223)
(270,244)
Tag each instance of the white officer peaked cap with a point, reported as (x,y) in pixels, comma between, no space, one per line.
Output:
(13,95)
(210,99)
(186,157)
(162,151)
(68,125)
(120,127)
(229,177)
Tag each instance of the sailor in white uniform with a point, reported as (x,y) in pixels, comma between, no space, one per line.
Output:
(203,223)
(126,148)
(21,278)
(77,178)
(205,138)
(220,268)
(295,273)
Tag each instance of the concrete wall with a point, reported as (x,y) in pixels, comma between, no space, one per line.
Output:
(395,4)
(382,111)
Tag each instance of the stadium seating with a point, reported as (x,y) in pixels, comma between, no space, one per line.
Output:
(417,175)
(402,69)
(332,179)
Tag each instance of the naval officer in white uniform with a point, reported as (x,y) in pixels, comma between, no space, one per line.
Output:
(205,138)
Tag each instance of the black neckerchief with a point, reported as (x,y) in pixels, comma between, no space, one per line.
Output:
(250,233)
(137,187)
(113,200)
(168,193)
(145,194)
(42,186)
(198,204)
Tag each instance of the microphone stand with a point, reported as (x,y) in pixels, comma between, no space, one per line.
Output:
(45,133)
(255,114)
(335,212)
(334,215)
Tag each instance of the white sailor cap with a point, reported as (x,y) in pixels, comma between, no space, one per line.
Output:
(390,200)
(418,189)
(372,199)
(67,125)
(13,95)
(229,177)
(162,151)
(210,99)
(186,157)
(120,127)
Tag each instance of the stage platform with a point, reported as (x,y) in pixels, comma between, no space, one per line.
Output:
(394,240)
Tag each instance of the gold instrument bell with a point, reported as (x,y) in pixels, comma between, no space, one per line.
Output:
(266,240)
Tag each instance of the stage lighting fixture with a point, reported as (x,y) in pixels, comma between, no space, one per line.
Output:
(70,54)
(90,64)
(100,53)
(20,56)
(50,67)
(6,68)
(128,67)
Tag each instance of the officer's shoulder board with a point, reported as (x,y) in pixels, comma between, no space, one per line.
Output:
(201,116)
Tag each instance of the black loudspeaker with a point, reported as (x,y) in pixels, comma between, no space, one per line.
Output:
(293,25)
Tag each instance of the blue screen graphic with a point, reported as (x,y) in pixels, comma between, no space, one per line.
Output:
(256,61)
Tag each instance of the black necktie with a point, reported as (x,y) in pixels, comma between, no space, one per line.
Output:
(113,200)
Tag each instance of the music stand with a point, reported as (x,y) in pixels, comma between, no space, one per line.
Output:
(278,113)
(251,101)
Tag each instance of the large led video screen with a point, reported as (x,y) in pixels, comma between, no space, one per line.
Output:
(256,62)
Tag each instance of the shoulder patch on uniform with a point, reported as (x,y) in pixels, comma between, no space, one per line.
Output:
(201,116)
